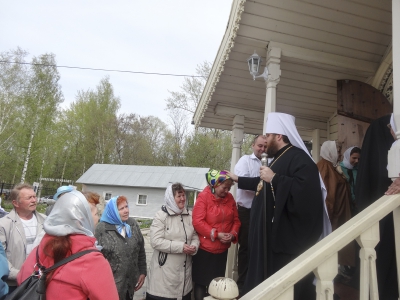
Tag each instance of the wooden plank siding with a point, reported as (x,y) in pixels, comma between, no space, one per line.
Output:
(350,132)
(333,128)
(355,31)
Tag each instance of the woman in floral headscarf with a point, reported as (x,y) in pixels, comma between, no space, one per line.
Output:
(123,247)
(216,221)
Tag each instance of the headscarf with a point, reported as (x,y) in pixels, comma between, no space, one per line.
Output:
(71,214)
(215,178)
(346,158)
(280,123)
(329,152)
(111,216)
(63,189)
(170,200)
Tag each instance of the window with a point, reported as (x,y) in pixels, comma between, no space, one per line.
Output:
(142,200)
(107,196)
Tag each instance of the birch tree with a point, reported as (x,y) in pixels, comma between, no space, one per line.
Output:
(40,104)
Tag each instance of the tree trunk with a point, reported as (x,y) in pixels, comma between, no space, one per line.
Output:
(28,155)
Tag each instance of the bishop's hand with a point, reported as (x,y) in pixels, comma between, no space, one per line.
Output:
(266,174)
(232,176)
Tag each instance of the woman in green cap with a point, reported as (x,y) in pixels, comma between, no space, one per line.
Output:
(216,221)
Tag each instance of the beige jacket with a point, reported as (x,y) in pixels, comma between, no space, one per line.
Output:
(12,237)
(168,234)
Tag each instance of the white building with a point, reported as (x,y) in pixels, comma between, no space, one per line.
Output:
(144,186)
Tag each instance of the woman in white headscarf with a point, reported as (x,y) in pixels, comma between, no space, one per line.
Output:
(349,169)
(69,229)
(174,241)
(338,195)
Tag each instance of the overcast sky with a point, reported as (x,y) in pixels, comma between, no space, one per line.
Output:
(164,36)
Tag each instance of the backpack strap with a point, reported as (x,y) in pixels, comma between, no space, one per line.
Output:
(68,259)
(41,286)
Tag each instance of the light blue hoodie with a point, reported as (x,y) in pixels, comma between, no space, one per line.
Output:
(3,272)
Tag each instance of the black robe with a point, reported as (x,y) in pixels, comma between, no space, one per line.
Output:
(371,184)
(294,220)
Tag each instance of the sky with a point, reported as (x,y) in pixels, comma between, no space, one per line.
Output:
(163,36)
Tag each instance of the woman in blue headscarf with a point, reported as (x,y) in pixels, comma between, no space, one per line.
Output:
(123,247)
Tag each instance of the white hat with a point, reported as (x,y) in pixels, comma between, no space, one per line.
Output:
(280,123)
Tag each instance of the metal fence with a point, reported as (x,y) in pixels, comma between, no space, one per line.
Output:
(5,189)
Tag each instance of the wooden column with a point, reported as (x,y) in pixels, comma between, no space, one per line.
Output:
(316,144)
(274,75)
(396,222)
(394,153)
(325,274)
(368,279)
(231,270)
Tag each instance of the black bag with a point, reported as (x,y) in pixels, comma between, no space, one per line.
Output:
(34,287)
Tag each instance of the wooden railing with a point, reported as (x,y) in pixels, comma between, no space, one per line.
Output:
(322,257)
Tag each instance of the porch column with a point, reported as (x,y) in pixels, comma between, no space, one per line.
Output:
(231,270)
(274,75)
(394,154)
(237,141)
(316,141)
(396,63)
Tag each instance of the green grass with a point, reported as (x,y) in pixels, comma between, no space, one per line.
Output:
(144,223)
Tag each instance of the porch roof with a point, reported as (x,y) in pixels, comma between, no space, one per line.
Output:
(321,41)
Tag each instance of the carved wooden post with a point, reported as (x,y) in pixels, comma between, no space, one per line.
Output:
(396,222)
(368,280)
(231,270)
(325,274)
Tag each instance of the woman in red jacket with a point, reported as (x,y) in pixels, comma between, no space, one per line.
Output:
(215,219)
(69,229)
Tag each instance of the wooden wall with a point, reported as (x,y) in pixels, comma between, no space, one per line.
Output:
(350,132)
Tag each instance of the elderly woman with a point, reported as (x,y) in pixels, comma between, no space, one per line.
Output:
(69,229)
(123,246)
(215,218)
(338,196)
(174,241)
(348,167)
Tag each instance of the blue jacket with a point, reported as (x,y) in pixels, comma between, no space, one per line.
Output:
(3,272)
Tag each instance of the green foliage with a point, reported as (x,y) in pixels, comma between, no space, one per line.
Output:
(7,205)
(209,148)
(144,223)
(39,139)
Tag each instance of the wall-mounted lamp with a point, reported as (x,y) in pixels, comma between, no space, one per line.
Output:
(254,62)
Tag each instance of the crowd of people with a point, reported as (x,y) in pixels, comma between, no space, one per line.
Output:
(280,211)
